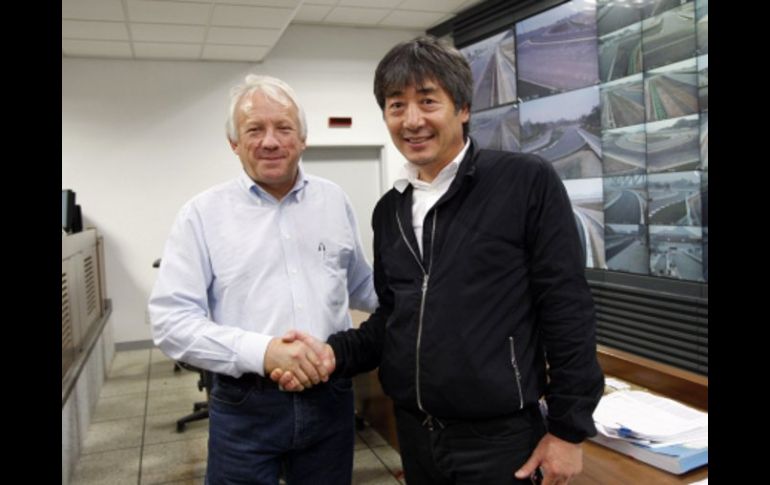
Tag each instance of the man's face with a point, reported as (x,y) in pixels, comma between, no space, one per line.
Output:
(424,125)
(269,144)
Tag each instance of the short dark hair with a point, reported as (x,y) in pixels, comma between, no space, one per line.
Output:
(413,62)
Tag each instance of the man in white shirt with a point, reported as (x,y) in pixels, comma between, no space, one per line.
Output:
(274,250)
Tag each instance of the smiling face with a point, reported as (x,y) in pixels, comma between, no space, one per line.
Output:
(425,126)
(269,143)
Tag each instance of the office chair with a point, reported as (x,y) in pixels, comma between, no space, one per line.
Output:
(200,408)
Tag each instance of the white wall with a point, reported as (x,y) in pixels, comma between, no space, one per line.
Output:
(139,138)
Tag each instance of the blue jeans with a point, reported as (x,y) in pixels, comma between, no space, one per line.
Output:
(255,430)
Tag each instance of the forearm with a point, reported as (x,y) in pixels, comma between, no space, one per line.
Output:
(203,343)
(567,324)
(575,380)
(359,350)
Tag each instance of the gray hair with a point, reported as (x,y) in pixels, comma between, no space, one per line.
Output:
(271,87)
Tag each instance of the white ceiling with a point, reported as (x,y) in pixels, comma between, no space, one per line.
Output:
(226,30)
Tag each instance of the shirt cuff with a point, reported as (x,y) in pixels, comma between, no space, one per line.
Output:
(251,353)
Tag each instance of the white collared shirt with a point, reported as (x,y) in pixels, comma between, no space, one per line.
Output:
(241,267)
(425,195)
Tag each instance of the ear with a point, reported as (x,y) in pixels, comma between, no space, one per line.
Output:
(465,114)
(233,145)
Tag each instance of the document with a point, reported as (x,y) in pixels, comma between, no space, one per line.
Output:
(642,415)
(675,459)
(653,429)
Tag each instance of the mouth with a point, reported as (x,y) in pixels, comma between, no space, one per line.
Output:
(272,158)
(417,140)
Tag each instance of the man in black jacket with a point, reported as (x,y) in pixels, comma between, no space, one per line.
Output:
(484,307)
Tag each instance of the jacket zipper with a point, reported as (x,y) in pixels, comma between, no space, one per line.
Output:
(425,279)
(518,374)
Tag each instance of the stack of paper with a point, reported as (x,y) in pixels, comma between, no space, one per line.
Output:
(653,429)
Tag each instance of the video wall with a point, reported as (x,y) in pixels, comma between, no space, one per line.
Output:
(614,93)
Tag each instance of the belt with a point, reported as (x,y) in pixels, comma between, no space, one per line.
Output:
(262,383)
(532,411)
(249,380)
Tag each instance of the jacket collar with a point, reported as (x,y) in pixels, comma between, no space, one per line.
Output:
(409,172)
(465,172)
(466,169)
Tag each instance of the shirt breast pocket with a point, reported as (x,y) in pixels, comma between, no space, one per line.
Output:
(336,257)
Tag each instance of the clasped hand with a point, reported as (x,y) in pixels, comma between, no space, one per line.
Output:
(298,361)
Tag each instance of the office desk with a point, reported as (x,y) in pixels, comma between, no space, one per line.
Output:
(603,466)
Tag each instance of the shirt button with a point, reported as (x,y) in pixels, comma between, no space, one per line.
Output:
(300,307)
(287,236)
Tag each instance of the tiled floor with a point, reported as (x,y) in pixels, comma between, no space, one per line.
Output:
(132,438)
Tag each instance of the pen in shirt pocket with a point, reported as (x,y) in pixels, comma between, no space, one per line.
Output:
(322,250)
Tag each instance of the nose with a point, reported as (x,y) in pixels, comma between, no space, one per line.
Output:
(269,141)
(413,117)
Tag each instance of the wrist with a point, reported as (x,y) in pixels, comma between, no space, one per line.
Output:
(269,361)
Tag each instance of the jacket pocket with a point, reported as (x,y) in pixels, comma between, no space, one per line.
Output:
(516,372)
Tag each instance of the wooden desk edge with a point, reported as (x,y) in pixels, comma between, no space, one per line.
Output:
(677,384)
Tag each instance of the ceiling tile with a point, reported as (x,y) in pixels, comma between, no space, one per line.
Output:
(234,16)
(261,3)
(468,4)
(244,37)
(431,5)
(92,10)
(312,13)
(74,29)
(233,53)
(369,3)
(236,30)
(356,16)
(167,33)
(168,12)
(149,50)
(444,18)
(95,48)
(408,19)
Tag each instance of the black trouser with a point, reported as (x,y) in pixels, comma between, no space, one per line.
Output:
(467,451)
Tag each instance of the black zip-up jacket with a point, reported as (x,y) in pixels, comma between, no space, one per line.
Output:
(465,330)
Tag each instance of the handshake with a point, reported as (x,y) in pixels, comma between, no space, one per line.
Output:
(298,361)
